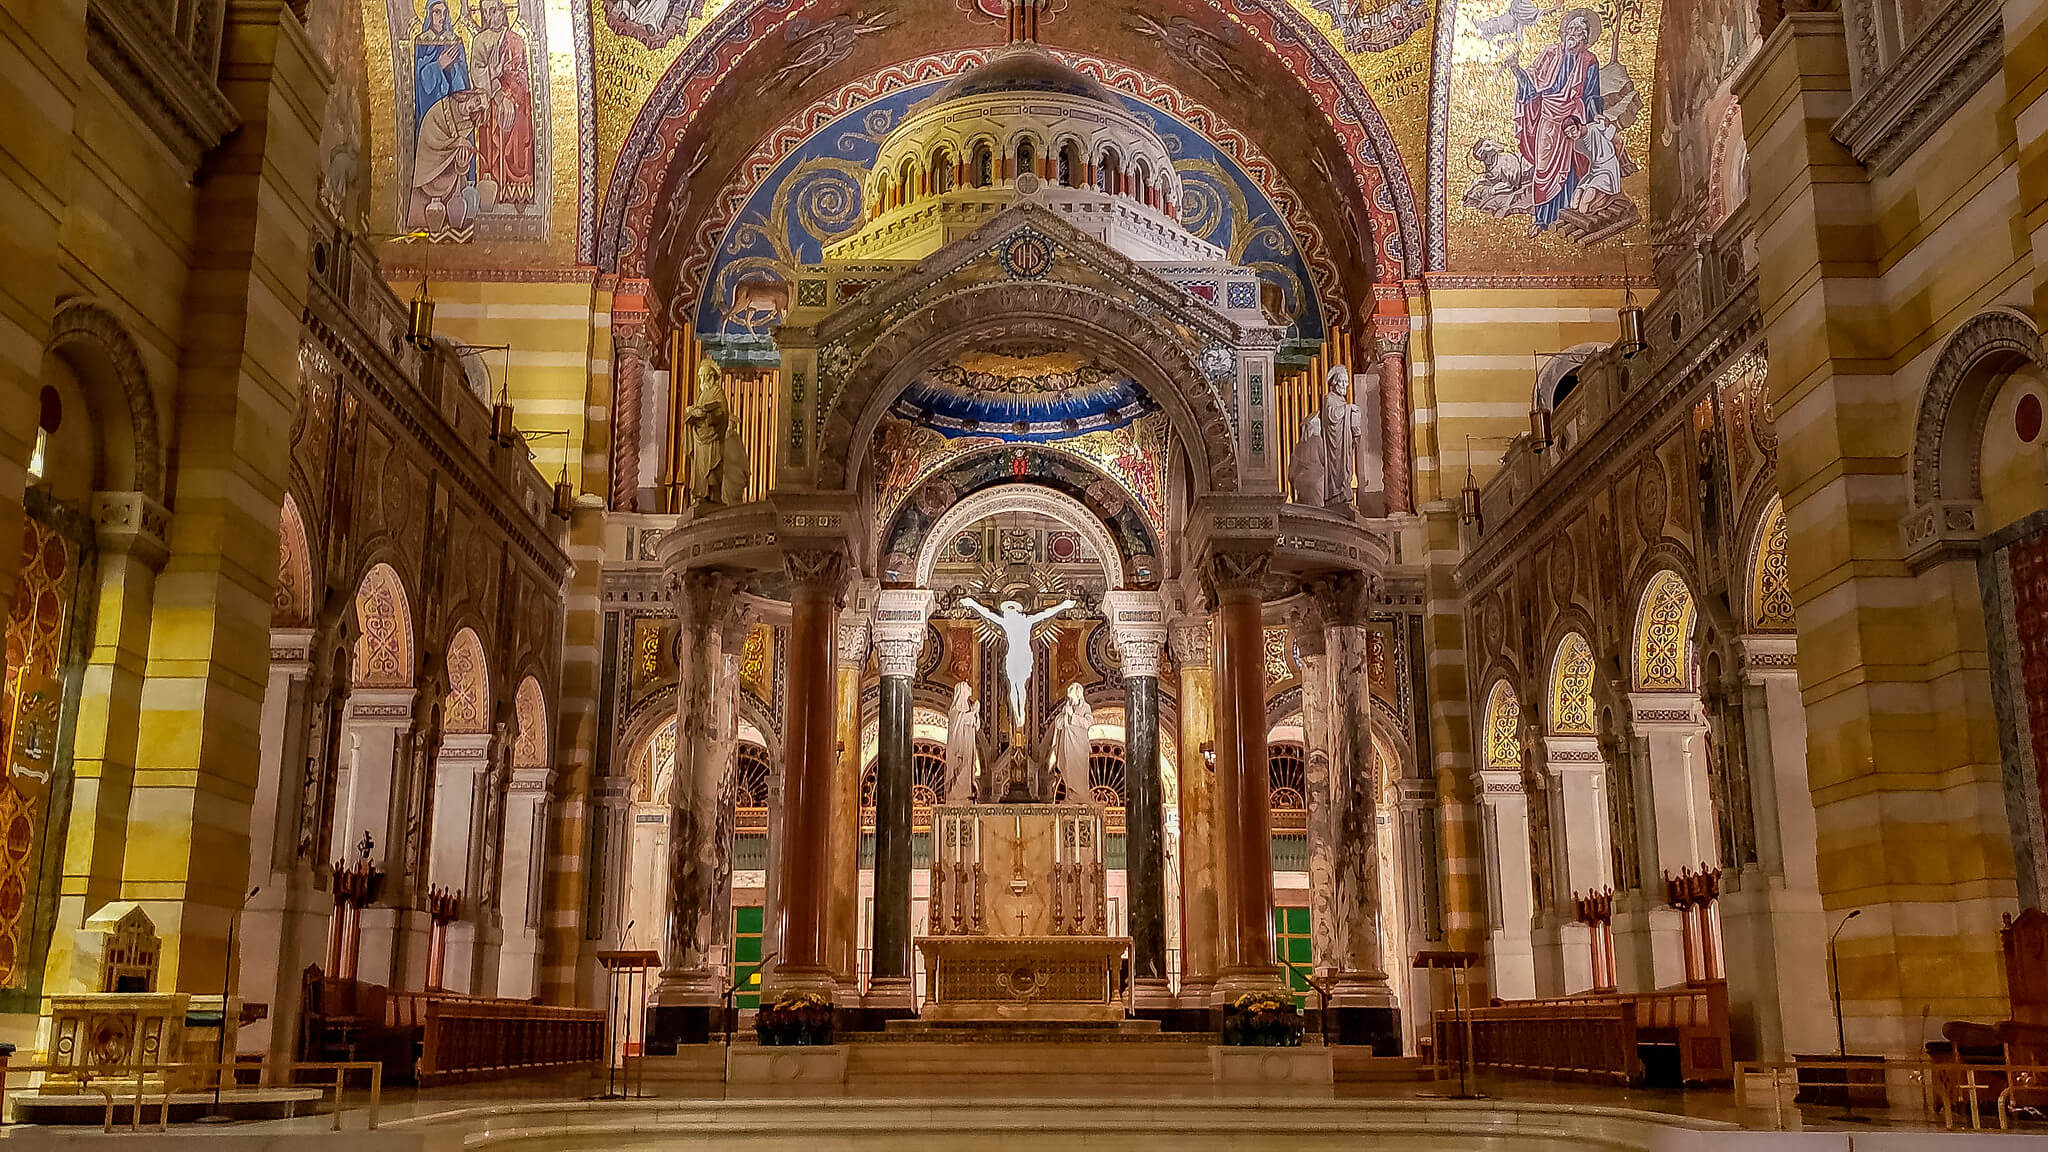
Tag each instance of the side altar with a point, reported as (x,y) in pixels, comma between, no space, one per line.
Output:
(1019,916)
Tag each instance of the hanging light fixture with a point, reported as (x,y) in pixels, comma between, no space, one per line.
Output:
(565,492)
(1468,497)
(503,430)
(419,318)
(1632,342)
(1539,428)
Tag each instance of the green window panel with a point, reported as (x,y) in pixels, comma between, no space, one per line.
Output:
(1293,944)
(746,955)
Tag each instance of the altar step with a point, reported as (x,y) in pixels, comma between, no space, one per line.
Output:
(1044,1066)
(980,1032)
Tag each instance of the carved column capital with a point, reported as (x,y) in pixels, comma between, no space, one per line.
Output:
(131,523)
(816,571)
(899,628)
(853,640)
(1232,572)
(1137,621)
(1193,640)
(1141,653)
(1345,599)
(897,655)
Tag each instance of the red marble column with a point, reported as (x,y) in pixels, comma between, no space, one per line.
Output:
(1244,819)
(815,577)
(1393,356)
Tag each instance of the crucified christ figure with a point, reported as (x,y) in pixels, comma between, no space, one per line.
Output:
(1016,627)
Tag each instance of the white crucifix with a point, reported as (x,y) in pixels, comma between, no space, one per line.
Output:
(1017,659)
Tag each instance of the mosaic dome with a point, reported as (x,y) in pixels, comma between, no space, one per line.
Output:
(1023,397)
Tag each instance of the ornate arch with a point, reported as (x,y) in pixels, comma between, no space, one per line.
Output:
(1770,582)
(1154,355)
(1021,498)
(385,656)
(1501,738)
(1571,687)
(292,606)
(530,706)
(1666,618)
(1946,435)
(82,327)
(469,685)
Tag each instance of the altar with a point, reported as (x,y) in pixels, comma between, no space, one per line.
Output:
(1019,916)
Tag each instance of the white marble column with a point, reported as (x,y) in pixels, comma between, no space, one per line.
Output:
(1773,924)
(526,823)
(1511,900)
(1580,836)
(459,775)
(373,743)
(283,927)
(1678,833)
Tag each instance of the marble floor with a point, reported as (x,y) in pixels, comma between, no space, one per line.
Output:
(560,1113)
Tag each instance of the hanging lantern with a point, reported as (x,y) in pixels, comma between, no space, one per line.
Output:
(1539,428)
(565,497)
(1469,501)
(1631,341)
(419,319)
(502,428)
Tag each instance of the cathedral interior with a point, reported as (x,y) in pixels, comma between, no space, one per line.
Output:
(667,573)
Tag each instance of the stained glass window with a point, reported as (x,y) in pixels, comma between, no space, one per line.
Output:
(1503,728)
(1571,688)
(1664,635)
(1771,586)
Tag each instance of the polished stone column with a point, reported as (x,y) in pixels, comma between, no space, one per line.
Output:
(1244,819)
(1193,648)
(1138,620)
(899,639)
(845,928)
(690,987)
(816,577)
(1577,770)
(1362,1001)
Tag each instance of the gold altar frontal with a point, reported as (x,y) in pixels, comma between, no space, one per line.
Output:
(1019,916)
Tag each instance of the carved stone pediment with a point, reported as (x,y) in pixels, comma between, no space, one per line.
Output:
(1904,101)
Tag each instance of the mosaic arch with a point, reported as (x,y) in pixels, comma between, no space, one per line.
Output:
(384,650)
(1663,638)
(1503,727)
(779,46)
(293,603)
(804,189)
(1021,498)
(1571,688)
(530,705)
(1770,582)
(469,685)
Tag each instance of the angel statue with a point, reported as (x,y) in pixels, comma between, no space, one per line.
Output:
(1070,745)
(1016,628)
(963,736)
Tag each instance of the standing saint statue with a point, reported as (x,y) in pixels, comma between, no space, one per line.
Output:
(718,454)
(1340,438)
(1070,745)
(1308,470)
(963,738)
(1016,628)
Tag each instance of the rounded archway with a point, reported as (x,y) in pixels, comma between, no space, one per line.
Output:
(384,656)
(469,685)
(1571,688)
(1021,498)
(1665,622)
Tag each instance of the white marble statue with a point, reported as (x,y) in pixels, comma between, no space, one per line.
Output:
(963,737)
(1340,437)
(1016,628)
(1309,469)
(1070,745)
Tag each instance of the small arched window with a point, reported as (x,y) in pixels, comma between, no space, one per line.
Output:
(1106,772)
(1106,172)
(1070,165)
(1287,765)
(1027,156)
(1141,181)
(907,180)
(750,777)
(984,165)
(942,171)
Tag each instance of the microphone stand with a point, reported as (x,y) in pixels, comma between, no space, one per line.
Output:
(220,1042)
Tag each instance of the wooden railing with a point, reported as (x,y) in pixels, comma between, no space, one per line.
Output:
(468,1039)
(442,1037)
(1618,1038)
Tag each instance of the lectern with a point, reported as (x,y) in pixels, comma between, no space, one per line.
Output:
(627,967)
(1458,963)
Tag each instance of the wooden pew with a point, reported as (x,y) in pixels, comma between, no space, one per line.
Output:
(441,1037)
(1601,1037)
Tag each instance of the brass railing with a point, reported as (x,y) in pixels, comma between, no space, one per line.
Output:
(138,1087)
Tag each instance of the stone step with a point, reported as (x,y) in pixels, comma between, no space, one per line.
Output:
(1011,1060)
(1355,1065)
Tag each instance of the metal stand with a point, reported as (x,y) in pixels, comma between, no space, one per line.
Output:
(1458,963)
(628,968)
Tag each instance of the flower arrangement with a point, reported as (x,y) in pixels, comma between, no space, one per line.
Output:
(795,1018)
(1262,1020)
